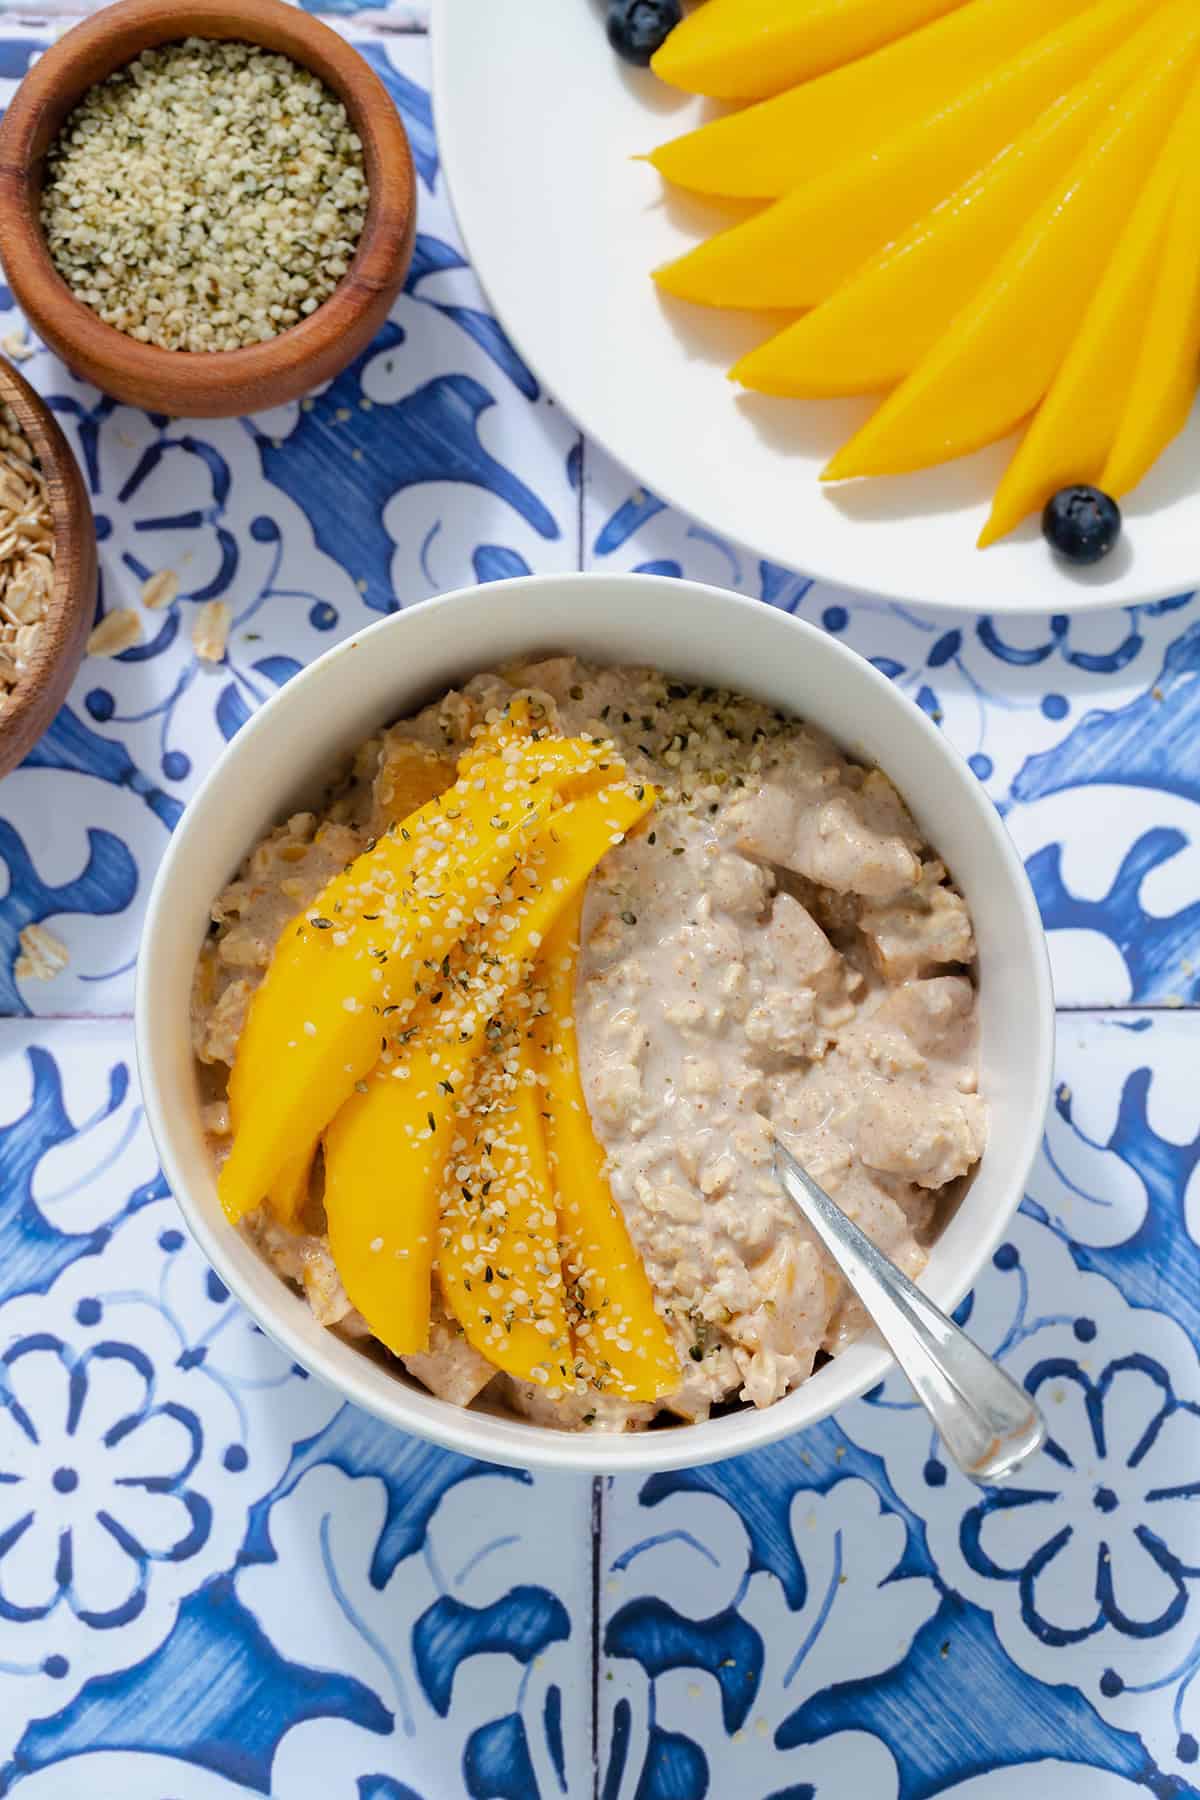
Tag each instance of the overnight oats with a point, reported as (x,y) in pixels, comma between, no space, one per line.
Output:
(495,1041)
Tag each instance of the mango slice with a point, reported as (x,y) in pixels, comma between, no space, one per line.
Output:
(289,1190)
(410,777)
(622,1342)
(1163,384)
(875,330)
(385,1153)
(745,49)
(1073,429)
(498,1262)
(770,148)
(796,252)
(386,1149)
(515,725)
(313,1027)
(996,361)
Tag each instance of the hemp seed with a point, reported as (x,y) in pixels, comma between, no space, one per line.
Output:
(205,197)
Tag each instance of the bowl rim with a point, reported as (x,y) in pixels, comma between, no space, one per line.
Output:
(517,1442)
(115,35)
(64,630)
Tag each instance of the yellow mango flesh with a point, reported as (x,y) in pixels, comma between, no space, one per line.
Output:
(312,1030)
(875,330)
(796,252)
(745,49)
(498,1263)
(1073,429)
(774,146)
(289,1190)
(1163,385)
(410,777)
(383,1172)
(514,726)
(619,1334)
(993,365)
(384,1166)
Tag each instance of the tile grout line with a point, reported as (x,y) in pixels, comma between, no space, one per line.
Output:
(581,504)
(597,1527)
(67,1018)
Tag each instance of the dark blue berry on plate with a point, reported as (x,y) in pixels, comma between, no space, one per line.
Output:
(1082,524)
(637,28)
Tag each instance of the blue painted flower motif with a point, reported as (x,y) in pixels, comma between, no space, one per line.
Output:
(1096,1551)
(93,1481)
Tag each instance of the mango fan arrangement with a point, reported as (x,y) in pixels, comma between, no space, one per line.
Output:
(415,1024)
(987,211)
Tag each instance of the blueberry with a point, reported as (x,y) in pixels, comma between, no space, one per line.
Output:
(637,28)
(1082,524)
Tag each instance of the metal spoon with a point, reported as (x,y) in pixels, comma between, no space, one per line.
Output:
(988,1424)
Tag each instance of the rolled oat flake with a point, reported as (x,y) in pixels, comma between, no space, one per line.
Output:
(26,556)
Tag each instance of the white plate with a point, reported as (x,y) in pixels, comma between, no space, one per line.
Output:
(537,123)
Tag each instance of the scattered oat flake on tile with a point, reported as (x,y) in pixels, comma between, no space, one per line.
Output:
(117,631)
(19,347)
(43,956)
(211,629)
(160,589)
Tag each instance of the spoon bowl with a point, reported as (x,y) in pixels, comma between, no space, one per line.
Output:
(989,1425)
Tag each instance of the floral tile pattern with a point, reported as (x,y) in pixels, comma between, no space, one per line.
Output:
(204,1556)
(873,1623)
(215,1579)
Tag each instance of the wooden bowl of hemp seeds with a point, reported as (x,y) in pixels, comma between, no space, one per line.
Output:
(208,209)
(47,567)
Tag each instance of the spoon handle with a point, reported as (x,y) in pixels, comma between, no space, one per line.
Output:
(988,1424)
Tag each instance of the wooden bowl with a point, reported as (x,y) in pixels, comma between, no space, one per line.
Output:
(68,620)
(218,383)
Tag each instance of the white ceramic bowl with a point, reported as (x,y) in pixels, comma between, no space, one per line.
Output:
(284,753)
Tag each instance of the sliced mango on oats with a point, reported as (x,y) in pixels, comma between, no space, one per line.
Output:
(521,720)
(385,1154)
(313,1027)
(386,1150)
(498,1260)
(409,777)
(617,1329)
(289,1191)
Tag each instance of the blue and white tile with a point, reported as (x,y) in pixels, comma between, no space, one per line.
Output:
(437,443)
(231,1583)
(208,1563)
(1080,728)
(846,1614)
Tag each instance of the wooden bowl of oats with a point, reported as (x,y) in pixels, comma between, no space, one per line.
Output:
(47,567)
(208,208)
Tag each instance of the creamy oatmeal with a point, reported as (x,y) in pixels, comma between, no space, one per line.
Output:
(776,950)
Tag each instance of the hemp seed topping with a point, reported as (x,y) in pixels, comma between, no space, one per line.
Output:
(206,196)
